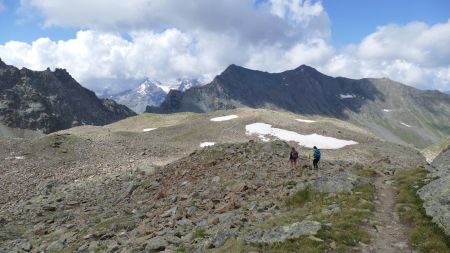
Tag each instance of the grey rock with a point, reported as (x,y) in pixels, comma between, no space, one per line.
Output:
(342,181)
(25,245)
(56,245)
(218,239)
(156,244)
(47,186)
(436,199)
(435,195)
(282,233)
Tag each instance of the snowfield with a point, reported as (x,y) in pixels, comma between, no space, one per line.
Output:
(263,131)
(305,120)
(344,96)
(387,110)
(225,118)
(406,125)
(148,129)
(206,144)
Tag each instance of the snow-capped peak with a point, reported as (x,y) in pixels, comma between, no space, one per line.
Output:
(147,86)
(184,84)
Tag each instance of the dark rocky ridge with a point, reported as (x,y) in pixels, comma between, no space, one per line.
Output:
(51,100)
(390,109)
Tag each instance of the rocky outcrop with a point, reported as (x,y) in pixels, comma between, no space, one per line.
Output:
(342,181)
(419,117)
(283,233)
(436,194)
(49,101)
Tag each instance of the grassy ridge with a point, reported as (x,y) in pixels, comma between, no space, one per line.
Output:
(342,231)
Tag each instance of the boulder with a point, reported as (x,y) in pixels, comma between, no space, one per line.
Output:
(342,181)
(282,233)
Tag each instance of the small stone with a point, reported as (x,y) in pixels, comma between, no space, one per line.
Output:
(49,208)
(25,245)
(333,245)
(311,237)
(156,244)
(214,221)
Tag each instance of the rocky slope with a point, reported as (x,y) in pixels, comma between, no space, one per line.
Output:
(51,100)
(391,110)
(117,188)
(197,203)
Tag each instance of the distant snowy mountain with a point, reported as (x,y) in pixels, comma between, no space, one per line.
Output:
(184,84)
(151,92)
(147,93)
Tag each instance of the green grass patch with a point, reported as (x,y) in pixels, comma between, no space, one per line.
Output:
(424,236)
(367,173)
(291,184)
(199,234)
(301,197)
(107,224)
(341,231)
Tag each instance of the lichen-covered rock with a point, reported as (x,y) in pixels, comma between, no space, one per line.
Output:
(436,194)
(282,233)
(436,197)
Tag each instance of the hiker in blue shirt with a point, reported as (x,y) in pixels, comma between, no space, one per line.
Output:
(316,156)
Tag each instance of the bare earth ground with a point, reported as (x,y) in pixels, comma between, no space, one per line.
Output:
(390,235)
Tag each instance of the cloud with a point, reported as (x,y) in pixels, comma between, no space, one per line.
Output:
(416,54)
(266,22)
(167,39)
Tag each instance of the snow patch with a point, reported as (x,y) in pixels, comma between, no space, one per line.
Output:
(224,118)
(148,129)
(166,89)
(344,96)
(206,144)
(306,120)
(406,125)
(387,110)
(19,157)
(142,89)
(263,131)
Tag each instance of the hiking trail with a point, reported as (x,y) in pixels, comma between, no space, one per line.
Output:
(390,235)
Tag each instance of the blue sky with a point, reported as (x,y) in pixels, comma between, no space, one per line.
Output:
(352,20)
(105,44)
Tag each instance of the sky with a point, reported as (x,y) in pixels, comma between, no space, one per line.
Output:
(110,45)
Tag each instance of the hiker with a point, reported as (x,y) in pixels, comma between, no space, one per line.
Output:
(316,156)
(293,157)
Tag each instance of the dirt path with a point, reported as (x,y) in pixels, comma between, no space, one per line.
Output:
(390,236)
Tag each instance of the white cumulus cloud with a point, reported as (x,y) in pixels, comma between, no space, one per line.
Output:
(416,54)
(120,42)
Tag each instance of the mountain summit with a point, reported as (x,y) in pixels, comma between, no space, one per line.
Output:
(390,109)
(151,92)
(51,100)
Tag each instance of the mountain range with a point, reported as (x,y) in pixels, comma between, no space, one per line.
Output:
(394,111)
(49,101)
(151,92)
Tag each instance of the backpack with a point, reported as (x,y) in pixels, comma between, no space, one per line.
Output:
(317,154)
